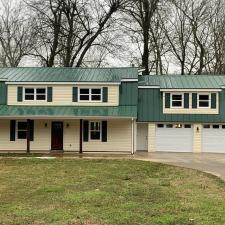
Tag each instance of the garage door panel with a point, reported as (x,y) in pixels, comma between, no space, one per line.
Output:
(213,140)
(174,139)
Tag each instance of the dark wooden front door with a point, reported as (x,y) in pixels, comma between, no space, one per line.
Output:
(57,135)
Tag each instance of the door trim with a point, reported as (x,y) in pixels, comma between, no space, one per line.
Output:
(62,136)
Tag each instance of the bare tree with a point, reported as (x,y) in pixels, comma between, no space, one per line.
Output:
(67,29)
(142,12)
(17,37)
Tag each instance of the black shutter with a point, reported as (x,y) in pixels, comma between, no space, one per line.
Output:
(85,131)
(19,94)
(186,100)
(104,131)
(167,100)
(105,94)
(31,130)
(49,97)
(12,130)
(194,100)
(213,100)
(75,92)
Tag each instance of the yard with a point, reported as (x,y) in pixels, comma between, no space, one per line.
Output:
(107,192)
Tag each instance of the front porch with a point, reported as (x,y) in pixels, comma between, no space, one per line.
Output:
(76,135)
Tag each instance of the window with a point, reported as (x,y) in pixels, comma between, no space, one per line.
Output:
(90,94)
(216,126)
(21,130)
(223,126)
(160,125)
(187,125)
(95,130)
(176,100)
(178,125)
(29,94)
(34,94)
(169,125)
(207,126)
(203,101)
(40,94)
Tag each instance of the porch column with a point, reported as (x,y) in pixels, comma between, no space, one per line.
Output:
(28,136)
(81,136)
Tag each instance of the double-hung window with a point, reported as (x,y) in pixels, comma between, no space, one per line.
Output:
(90,94)
(176,100)
(21,130)
(35,94)
(203,101)
(95,130)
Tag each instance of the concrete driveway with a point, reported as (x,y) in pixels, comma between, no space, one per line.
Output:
(206,162)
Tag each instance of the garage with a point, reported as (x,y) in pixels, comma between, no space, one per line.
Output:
(142,137)
(174,138)
(213,138)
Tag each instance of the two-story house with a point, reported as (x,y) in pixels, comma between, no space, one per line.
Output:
(69,109)
(109,110)
(181,113)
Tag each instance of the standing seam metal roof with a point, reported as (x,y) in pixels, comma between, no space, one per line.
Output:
(183,81)
(58,74)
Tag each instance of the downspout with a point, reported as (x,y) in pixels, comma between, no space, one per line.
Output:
(132,136)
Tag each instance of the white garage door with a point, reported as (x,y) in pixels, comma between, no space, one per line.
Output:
(142,137)
(174,137)
(213,138)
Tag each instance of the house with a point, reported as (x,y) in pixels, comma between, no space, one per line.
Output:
(181,113)
(110,110)
(69,109)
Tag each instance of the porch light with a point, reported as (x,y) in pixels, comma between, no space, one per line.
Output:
(197,129)
(67,125)
(46,125)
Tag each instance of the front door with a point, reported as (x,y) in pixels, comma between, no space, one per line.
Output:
(57,135)
(142,136)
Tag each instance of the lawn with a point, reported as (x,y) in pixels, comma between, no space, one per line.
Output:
(107,192)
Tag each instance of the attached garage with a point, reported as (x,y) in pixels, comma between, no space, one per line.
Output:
(174,138)
(213,138)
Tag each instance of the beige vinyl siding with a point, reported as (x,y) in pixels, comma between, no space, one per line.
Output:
(197,138)
(62,95)
(190,110)
(42,136)
(151,137)
(118,139)
(5,143)
(71,139)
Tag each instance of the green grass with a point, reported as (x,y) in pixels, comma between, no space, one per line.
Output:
(107,192)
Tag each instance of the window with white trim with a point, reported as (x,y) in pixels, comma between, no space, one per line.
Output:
(203,100)
(95,130)
(90,94)
(21,130)
(35,94)
(176,100)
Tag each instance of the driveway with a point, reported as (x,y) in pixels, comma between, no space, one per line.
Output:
(206,162)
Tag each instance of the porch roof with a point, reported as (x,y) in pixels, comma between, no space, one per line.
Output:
(67,111)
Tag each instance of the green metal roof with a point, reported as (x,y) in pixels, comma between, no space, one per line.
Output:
(40,74)
(183,81)
(67,111)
